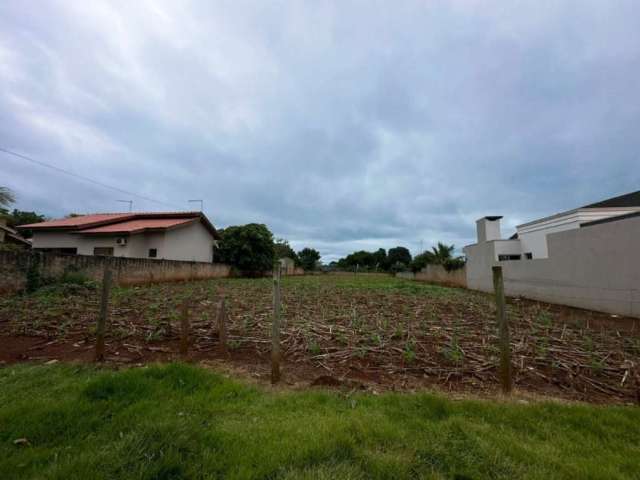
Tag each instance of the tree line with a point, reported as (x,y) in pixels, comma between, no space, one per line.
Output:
(399,259)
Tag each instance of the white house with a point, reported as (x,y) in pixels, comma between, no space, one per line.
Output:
(188,236)
(530,240)
(587,257)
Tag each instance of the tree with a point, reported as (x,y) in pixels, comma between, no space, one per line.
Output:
(420,261)
(20,217)
(308,258)
(282,249)
(399,255)
(380,258)
(249,248)
(441,253)
(7,197)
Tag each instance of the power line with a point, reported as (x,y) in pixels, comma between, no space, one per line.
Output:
(86,179)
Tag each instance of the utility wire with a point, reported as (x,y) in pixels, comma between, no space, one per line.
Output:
(86,179)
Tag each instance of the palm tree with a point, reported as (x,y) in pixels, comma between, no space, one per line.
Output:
(441,253)
(6,197)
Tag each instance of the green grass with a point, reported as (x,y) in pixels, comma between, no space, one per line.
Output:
(378,282)
(180,421)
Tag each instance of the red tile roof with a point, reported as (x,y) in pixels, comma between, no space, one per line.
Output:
(129,223)
(80,221)
(137,226)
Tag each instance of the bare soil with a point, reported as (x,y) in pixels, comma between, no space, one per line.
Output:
(370,332)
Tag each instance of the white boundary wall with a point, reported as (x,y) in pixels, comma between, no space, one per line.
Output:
(595,267)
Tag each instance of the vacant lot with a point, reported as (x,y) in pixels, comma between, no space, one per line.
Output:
(177,422)
(364,331)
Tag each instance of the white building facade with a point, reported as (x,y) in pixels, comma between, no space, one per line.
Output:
(587,257)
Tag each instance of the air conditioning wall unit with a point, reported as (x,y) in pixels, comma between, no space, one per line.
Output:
(121,241)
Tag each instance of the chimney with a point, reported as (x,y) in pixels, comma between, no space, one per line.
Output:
(488,229)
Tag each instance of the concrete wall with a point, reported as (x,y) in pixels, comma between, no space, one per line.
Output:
(192,243)
(15,265)
(595,267)
(437,274)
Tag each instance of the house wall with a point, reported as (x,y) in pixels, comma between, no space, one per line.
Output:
(533,236)
(15,265)
(595,267)
(192,242)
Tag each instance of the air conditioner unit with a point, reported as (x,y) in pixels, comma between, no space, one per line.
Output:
(121,241)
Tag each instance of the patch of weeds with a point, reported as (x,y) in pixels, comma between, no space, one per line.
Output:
(376,339)
(542,345)
(597,365)
(397,333)
(453,352)
(156,334)
(313,348)
(341,338)
(385,323)
(120,333)
(588,343)
(235,344)
(248,322)
(64,327)
(409,352)
(544,318)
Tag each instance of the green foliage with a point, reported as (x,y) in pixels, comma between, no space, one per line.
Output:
(409,353)
(249,248)
(7,197)
(365,261)
(308,258)
(399,255)
(282,249)
(454,264)
(420,261)
(71,281)
(181,421)
(439,255)
(453,352)
(21,217)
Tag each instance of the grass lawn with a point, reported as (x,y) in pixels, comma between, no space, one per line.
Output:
(181,421)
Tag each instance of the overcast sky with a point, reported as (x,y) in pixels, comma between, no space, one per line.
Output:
(341,125)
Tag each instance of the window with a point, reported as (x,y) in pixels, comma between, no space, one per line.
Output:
(504,258)
(528,256)
(153,252)
(104,251)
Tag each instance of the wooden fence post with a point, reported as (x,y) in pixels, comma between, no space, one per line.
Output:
(222,327)
(275,331)
(184,328)
(104,311)
(506,380)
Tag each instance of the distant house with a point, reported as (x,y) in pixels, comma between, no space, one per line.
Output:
(186,236)
(9,236)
